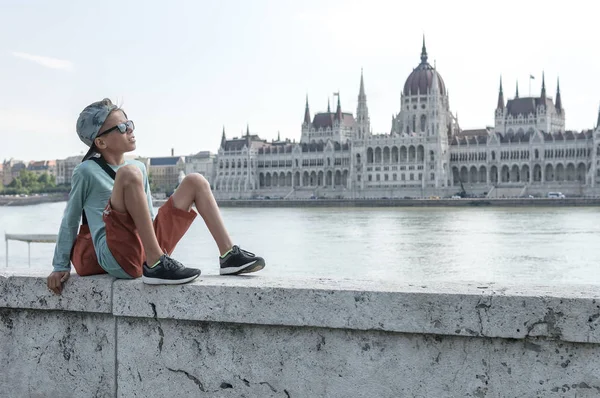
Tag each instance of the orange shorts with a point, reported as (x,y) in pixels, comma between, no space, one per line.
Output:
(124,241)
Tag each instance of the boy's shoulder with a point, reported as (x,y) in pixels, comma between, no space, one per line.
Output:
(83,168)
(90,168)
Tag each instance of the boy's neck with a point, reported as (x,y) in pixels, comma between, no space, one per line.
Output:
(114,159)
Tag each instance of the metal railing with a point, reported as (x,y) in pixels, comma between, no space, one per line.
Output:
(29,238)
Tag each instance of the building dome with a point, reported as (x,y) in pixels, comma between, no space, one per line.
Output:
(420,80)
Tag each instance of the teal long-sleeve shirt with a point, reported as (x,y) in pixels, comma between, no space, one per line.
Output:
(91,188)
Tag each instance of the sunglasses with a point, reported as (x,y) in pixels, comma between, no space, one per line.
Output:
(122,127)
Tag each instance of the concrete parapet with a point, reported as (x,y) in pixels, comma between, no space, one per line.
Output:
(262,337)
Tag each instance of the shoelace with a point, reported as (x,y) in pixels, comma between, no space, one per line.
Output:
(246,252)
(171,263)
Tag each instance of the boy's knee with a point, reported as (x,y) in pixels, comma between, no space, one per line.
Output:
(130,174)
(198,180)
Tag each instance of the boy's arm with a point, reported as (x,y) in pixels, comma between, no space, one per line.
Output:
(70,222)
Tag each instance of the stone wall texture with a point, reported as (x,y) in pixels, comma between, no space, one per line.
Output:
(261,337)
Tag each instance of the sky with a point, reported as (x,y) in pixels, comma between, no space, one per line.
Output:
(183,70)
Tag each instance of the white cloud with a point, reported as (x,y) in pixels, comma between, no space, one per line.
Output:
(48,62)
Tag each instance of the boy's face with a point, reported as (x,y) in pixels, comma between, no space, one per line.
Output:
(115,142)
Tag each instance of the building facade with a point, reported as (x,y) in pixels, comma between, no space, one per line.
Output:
(64,169)
(164,172)
(425,153)
(11,170)
(203,163)
(43,167)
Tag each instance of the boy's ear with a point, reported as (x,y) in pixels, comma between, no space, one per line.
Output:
(99,142)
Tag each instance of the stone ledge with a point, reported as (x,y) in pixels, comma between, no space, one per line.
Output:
(27,289)
(568,313)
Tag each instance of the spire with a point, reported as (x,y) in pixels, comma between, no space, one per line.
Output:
(543,96)
(338,111)
(306,112)
(361,92)
(223,139)
(598,122)
(558,104)
(423,52)
(328,108)
(278,137)
(247,130)
(500,96)
(517,93)
(362,111)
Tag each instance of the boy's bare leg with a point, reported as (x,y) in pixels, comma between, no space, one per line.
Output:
(195,189)
(128,196)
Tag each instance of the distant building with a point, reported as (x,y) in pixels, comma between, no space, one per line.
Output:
(12,168)
(237,164)
(425,152)
(164,172)
(203,163)
(43,167)
(64,169)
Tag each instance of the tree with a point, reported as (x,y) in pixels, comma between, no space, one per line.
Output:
(29,182)
(47,180)
(153,187)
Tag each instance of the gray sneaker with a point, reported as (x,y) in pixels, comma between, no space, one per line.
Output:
(239,261)
(168,272)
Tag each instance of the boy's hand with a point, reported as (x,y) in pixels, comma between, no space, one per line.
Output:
(56,279)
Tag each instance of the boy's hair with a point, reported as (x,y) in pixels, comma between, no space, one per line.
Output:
(91,120)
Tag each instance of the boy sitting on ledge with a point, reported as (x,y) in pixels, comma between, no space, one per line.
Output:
(128,241)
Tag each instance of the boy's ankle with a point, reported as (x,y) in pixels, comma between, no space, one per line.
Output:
(151,261)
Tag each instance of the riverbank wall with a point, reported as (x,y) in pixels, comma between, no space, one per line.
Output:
(32,200)
(518,202)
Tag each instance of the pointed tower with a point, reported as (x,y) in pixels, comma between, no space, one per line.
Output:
(598,121)
(338,111)
(500,97)
(543,94)
(328,107)
(500,109)
(361,90)
(423,52)
(362,111)
(558,104)
(247,130)
(306,113)
(223,139)
(517,92)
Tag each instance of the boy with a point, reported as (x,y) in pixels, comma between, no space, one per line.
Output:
(127,241)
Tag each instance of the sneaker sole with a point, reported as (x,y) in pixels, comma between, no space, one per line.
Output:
(244,269)
(158,281)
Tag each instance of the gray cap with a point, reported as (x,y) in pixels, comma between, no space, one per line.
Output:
(92,118)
